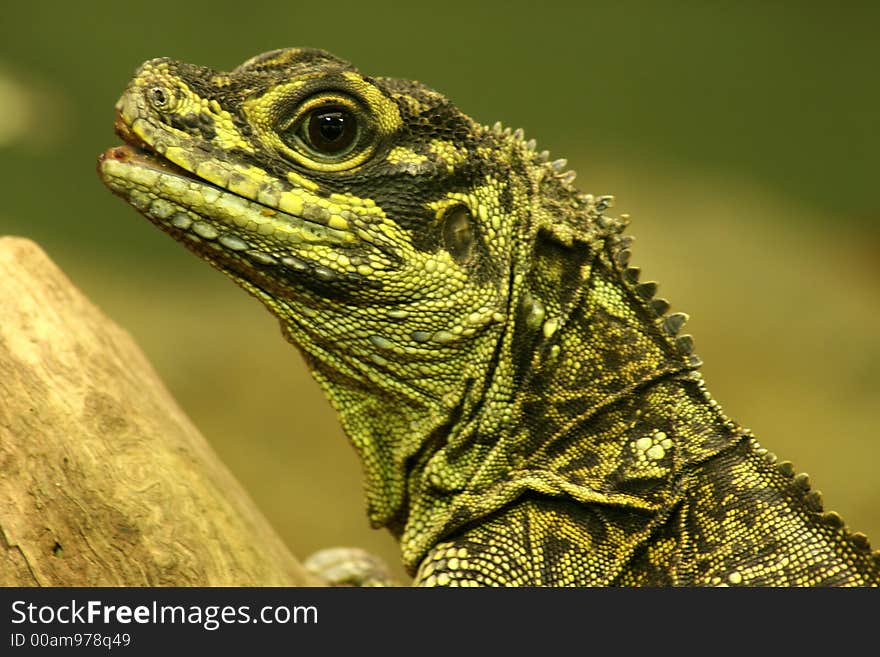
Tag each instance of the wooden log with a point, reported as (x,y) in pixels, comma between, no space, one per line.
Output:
(103,479)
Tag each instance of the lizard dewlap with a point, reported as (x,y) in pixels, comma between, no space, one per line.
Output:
(524,407)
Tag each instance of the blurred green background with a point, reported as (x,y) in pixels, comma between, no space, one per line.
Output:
(742,137)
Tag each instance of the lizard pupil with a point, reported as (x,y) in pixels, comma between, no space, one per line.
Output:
(331,130)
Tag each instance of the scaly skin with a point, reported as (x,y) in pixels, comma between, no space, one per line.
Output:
(525,413)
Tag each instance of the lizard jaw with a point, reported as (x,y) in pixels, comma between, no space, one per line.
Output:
(205,216)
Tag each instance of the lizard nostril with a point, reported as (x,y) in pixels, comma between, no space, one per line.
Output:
(159,98)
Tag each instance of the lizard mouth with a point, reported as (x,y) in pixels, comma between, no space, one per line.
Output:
(235,233)
(139,155)
(180,201)
(136,151)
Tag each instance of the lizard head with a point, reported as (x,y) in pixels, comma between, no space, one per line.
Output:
(369,214)
(384,228)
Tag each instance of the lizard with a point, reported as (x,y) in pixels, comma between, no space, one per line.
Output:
(526,410)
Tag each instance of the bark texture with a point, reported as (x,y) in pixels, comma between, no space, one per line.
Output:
(103,479)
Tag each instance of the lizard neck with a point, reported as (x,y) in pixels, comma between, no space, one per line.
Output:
(394,434)
(606,404)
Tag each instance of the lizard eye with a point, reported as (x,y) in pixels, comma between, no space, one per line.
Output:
(328,132)
(330,129)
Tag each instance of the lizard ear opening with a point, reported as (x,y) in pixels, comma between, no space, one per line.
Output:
(459,234)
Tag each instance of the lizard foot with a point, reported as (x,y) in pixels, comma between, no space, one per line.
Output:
(349,567)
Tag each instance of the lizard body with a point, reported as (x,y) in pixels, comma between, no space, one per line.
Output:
(524,408)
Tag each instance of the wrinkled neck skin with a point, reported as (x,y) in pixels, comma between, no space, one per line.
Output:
(394,434)
(586,395)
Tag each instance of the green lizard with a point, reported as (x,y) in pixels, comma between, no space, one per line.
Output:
(524,409)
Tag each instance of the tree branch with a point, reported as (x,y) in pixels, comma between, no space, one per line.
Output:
(103,479)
